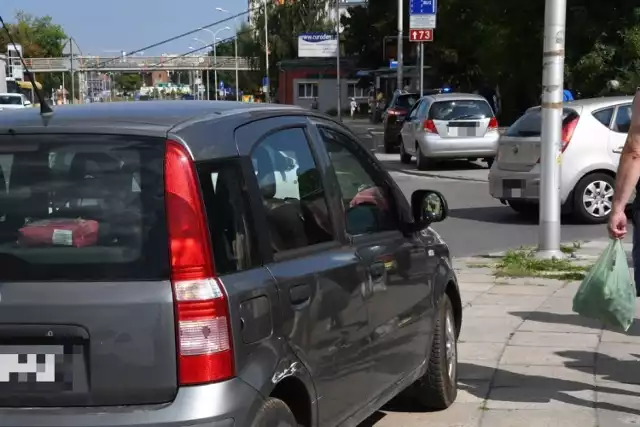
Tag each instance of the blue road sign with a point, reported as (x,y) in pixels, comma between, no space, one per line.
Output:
(423,7)
(393,65)
(265,81)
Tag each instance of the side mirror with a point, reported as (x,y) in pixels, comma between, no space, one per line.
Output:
(429,206)
(27,103)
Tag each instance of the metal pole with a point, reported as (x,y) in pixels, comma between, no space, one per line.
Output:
(208,92)
(552,87)
(422,69)
(338,81)
(400,40)
(64,91)
(236,49)
(215,70)
(73,83)
(266,51)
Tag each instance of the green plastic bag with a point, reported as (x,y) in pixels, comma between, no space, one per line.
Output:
(608,293)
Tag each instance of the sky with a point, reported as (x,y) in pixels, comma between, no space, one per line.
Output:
(104,28)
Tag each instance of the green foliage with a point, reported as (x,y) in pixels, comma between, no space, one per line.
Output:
(128,82)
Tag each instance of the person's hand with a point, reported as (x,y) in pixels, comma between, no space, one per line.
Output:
(617,225)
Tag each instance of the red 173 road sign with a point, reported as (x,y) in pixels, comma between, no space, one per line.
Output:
(421,35)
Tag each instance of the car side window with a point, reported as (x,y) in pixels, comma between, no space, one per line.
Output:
(604,116)
(368,203)
(623,119)
(227,207)
(292,193)
(422,110)
(414,111)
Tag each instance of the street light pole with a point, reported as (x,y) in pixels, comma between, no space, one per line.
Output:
(552,88)
(207,69)
(266,51)
(235,22)
(215,61)
(400,40)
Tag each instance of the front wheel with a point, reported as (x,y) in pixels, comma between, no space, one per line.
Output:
(593,198)
(438,389)
(274,413)
(422,161)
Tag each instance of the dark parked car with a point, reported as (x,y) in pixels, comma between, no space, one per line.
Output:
(214,264)
(394,116)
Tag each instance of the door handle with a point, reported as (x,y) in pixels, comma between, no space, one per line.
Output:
(619,149)
(300,294)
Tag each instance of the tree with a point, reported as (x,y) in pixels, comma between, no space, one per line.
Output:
(128,82)
(39,37)
(286,22)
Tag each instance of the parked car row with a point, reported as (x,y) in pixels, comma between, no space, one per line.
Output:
(442,127)
(462,126)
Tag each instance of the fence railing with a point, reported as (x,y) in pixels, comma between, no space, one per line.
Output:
(137,63)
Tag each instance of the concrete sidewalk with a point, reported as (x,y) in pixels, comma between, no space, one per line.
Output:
(526,360)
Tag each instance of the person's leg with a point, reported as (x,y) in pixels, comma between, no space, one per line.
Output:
(635,253)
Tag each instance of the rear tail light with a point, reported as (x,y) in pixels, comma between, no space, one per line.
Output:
(397,111)
(568,130)
(430,126)
(493,123)
(202,314)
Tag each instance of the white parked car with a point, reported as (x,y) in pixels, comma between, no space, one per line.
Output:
(593,135)
(449,126)
(12,101)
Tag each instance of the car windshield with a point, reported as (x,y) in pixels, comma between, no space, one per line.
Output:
(407,101)
(10,100)
(460,109)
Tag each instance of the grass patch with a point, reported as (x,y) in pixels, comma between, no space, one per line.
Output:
(524,264)
(570,249)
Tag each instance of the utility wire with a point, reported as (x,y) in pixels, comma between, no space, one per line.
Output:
(188,33)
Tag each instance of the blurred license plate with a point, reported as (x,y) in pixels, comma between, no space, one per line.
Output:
(34,367)
(512,188)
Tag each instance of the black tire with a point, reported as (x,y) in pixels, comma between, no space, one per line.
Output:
(528,209)
(580,211)
(438,388)
(422,162)
(404,156)
(274,413)
(489,162)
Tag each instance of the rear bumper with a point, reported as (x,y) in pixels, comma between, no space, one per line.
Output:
(438,147)
(231,403)
(511,185)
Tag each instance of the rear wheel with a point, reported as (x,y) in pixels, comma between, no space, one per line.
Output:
(438,389)
(422,161)
(404,156)
(593,198)
(274,413)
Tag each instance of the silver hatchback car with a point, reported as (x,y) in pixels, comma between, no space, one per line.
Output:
(450,126)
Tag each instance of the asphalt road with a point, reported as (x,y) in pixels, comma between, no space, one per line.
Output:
(477,223)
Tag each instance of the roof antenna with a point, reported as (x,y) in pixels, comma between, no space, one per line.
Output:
(45,109)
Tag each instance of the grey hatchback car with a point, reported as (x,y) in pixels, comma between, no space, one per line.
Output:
(214,264)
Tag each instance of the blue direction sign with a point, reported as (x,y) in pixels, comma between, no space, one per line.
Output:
(423,7)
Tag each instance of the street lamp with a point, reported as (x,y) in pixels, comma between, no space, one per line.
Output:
(207,70)
(214,34)
(219,9)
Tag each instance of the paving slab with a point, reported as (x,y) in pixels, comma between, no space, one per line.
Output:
(512,289)
(475,287)
(568,290)
(458,415)
(517,302)
(632,336)
(469,297)
(545,320)
(551,356)
(556,339)
(471,352)
(500,311)
(478,370)
(557,417)
(539,398)
(488,329)
(471,277)
(559,378)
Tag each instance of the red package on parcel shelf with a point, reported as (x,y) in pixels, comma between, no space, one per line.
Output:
(60,232)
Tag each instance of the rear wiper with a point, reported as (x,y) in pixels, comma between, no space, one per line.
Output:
(467,116)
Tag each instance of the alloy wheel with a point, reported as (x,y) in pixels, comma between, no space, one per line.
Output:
(597,198)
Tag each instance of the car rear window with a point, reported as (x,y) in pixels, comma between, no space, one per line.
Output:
(10,100)
(460,109)
(530,124)
(407,101)
(82,207)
